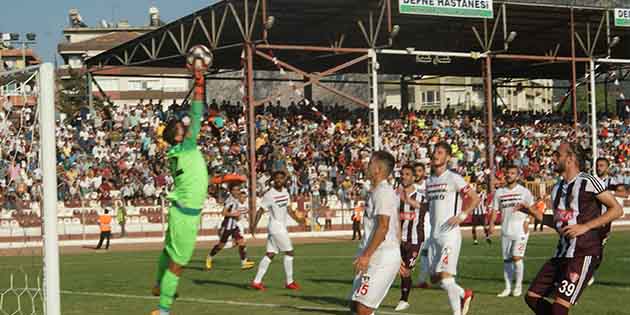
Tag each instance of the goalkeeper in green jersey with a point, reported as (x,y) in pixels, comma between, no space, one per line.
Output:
(190,173)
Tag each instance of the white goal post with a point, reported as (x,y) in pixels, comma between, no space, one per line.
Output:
(49,182)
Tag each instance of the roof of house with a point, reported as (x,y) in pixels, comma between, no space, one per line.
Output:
(103,42)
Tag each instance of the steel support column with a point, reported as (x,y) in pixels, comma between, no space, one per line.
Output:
(593,115)
(308,90)
(90,93)
(404,95)
(606,94)
(374,99)
(251,122)
(489,120)
(573,74)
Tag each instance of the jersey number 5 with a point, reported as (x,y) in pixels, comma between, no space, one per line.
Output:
(363,289)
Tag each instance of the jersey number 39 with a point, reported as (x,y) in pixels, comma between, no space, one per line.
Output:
(567,288)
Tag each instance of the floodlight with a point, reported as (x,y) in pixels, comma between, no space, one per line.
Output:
(395,31)
(270,21)
(614,41)
(511,37)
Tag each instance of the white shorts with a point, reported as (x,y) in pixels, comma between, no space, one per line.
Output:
(513,246)
(444,254)
(371,288)
(279,242)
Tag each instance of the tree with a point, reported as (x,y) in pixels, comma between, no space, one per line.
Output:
(72,94)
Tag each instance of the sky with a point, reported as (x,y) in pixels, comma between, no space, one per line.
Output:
(47,18)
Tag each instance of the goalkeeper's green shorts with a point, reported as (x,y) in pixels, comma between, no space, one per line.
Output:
(181,234)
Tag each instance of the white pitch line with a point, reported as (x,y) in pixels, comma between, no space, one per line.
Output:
(224,302)
(348,257)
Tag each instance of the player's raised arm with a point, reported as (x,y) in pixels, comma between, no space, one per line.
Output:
(196,107)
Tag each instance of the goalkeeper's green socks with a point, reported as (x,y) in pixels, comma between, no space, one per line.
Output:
(168,287)
(162,266)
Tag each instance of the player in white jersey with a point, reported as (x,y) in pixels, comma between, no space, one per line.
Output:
(378,260)
(234,210)
(421,187)
(446,193)
(510,200)
(278,202)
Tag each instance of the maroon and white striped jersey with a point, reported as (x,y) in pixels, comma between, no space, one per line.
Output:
(233,205)
(574,202)
(412,220)
(610,183)
(482,208)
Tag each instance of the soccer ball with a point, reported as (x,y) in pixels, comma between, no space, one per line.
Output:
(200,52)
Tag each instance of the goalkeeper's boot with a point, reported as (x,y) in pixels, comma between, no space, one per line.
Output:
(247,264)
(161,312)
(208,262)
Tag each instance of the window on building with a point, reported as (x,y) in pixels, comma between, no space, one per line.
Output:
(431,97)
(412,96)
(134,85)
(153,85)
(75,62)
(144,85)
(108,84)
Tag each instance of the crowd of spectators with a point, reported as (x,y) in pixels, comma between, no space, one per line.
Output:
(117,151)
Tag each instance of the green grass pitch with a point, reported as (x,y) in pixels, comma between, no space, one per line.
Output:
(118,282)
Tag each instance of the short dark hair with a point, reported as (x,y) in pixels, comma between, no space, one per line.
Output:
(512,166)
(445,146)
(386,158)
(233,185)
(276,173)
(408,167)
(106,211)
(580,154)
(170,131)
(603,159)
(419,164)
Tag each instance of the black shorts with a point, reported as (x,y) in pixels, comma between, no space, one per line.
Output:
(226,233)
(478,219)
(410,253)
(565,278)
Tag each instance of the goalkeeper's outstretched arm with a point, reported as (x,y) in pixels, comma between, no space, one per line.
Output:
(196,109)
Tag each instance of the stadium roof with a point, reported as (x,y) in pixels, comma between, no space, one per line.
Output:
(543,29)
